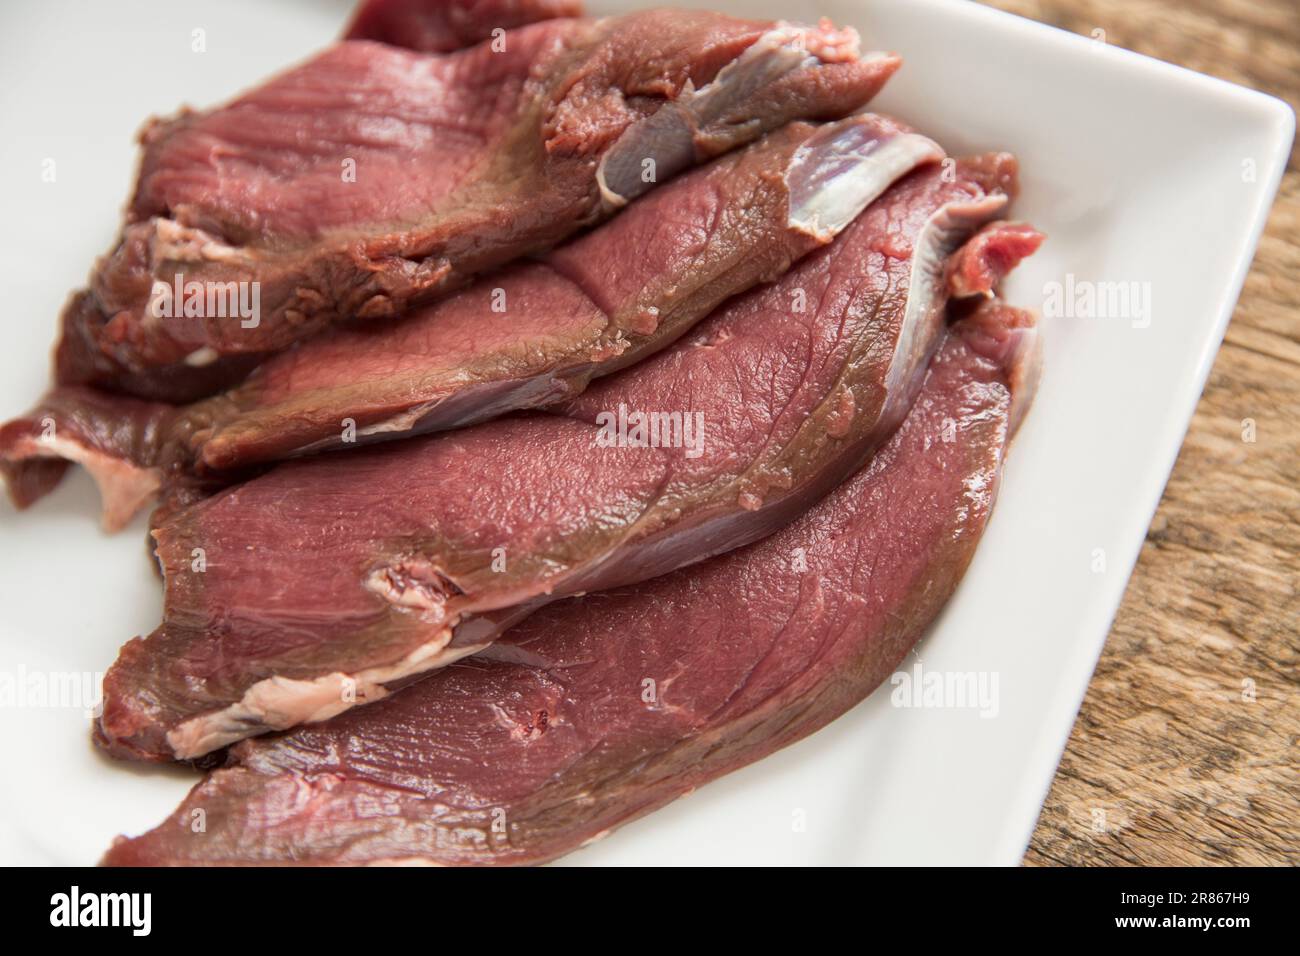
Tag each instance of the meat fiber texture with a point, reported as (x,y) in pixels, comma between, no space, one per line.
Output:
(528,336)
(372,178)
(306,591)
(603,708)
(440,26)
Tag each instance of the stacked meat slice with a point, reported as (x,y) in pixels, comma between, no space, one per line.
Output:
(558,738)
(393,561)
(373,178)
(530,335)
(738,441)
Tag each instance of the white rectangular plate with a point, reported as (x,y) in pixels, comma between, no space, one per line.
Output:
(1137,171)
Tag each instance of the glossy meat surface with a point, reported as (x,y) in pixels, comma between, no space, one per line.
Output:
(440,26)
(326,580)
(600,709)
(373,178)
(527,336)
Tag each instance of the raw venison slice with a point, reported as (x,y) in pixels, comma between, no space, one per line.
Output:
(538,333)
(373,178)
(301,593)
(123,442)
(441,26)
(600,709)
(529,336)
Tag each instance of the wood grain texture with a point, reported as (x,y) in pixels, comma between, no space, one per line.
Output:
(1185,749)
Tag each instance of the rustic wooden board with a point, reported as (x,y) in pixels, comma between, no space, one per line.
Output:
(1185,749)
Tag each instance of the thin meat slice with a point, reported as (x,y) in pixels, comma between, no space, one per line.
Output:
(121,441)
(441,26)
(539,333)
(600,709)
(310,589)
(528,336)
(372,178)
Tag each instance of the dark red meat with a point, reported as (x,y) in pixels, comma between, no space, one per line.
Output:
(372,178)
(528,336)
(440,26)
(325,580)
(600,709)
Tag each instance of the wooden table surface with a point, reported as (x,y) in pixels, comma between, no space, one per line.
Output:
(1185,749)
